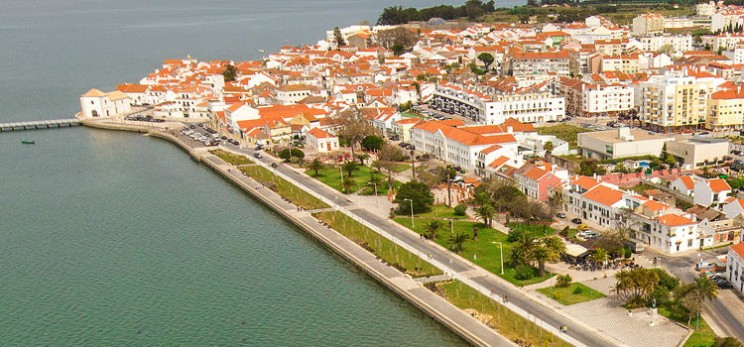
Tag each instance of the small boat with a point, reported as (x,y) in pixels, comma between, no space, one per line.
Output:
(28,142)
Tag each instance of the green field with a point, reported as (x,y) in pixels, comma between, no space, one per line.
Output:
(565,132)
(704,336)
(569,296)
(484,252)
(231,158)
(331,176)
(509,324)
(387,250)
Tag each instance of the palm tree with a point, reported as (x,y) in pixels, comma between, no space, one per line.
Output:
(315,165)
(486,212)
(636,286)
(362,157)
(431,229)
(547,249)
(521,248)
(457,240)
(349,167)
(448,174)
(697,293)
(348,184)
(600,255)
(548,147)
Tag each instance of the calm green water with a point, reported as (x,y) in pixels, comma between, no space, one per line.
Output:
(113,239)
(117,239)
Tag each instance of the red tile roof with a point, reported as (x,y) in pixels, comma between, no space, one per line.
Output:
(718,185)
(674,220)
(604,195)
(738,249)
(687,181)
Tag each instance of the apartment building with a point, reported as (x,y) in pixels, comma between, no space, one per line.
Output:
(521,64)
(620,143)
(648,24)
(678,43)
(726,110)
(735,267)
(677,100)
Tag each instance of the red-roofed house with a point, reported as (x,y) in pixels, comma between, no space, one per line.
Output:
(670,233)
(320,141)
(684,185)
(600,203)
(536,181)
(735,267)
(712,192)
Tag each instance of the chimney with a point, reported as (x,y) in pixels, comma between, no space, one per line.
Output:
(509,129)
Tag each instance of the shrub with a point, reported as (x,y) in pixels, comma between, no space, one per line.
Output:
(578,290)
(564,232)
(524,272)
(296,153)
(563,281)
(460,209)
(628,253)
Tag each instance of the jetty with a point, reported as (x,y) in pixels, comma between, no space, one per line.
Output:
(39,124)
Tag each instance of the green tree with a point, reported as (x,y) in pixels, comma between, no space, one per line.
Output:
(667,158)
(447,174)
(563,281)
(338,37)
(431,229)
(348,184)
(522,244)
(362,157)
(486,213)
(315,165)
(600,256)
(372,143)
(354,128)
(546,250)
(548,147)
(589,167)
(635,286)
(728,341)
(287,154)
(230,73)
(487,59)
(457,241)
(697,293)
(417,192)
(349,167)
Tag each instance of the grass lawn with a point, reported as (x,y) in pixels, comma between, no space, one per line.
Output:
(702,337)
(484,252)
(331,176)
(387,250)
(641,188)
(282,187)
(565,132)
(411,114)
(569,296)
(507,323)
(234,159)
(382,189)
(440,212)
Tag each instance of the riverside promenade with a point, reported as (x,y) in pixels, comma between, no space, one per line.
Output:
(465,325)
(520,301)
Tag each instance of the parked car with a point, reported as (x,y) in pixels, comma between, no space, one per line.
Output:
(721,282)
(257,155)
(576,221)
(582,227)
(561,215)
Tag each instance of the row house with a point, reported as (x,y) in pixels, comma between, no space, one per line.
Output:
(678,43)
(621,63)
(539,63)
(538,180)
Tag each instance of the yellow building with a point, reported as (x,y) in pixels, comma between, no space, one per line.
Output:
(677,101)
(726,110)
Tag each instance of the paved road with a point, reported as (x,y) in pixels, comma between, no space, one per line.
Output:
(481,280)
(724,313)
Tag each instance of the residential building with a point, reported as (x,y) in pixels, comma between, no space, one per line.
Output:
(726,18)
(684,185)
(715,233)
(403,128)
(321,141)
(521,64)
(677,43)
(712,192)
(648,24)
(95,103)
(726,110)
(677,100)
(735,267)
(705,9)
(670,233)
(620,143)
(621,63)
(526,107)
(733,208)
(537,180)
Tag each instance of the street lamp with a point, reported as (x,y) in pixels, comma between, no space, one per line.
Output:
(501,252)
(413,224)
(341,172)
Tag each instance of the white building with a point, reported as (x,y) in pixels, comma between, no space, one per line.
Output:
(670,233)
(525,107)
(725,18)
(705,9)
(96,103)
(685,185)
(606,99)
(711,192)
(321,141)
(679,43)
(461,146)
(648,24)
(735,267)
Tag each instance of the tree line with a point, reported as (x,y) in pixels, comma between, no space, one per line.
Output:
(472,9)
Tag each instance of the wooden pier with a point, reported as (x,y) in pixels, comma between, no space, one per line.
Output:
(39,124)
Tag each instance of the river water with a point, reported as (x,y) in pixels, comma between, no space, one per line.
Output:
(111,238)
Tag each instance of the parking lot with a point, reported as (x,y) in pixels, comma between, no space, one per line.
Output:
(205,135)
